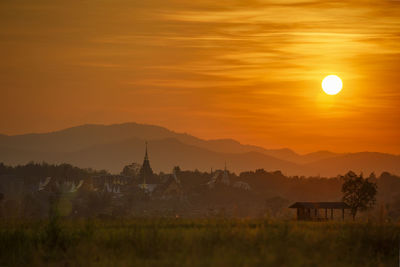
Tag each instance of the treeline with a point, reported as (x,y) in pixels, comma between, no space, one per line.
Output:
(42,170)
(270,184)
(272,191)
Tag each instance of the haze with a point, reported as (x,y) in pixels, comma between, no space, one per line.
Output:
(248,70)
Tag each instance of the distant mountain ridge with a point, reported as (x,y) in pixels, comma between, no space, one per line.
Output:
(113,146)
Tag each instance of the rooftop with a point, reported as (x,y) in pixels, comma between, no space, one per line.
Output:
(320,205)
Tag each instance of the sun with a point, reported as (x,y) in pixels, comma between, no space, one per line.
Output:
(332,84)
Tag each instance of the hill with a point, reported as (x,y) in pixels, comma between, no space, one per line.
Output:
(113,146)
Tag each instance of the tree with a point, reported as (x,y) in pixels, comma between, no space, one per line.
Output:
(131,170)
(358,193)
(176,170)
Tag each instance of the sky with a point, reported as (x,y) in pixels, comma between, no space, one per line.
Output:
(247,70)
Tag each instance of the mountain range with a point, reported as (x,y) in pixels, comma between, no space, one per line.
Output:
(111,147)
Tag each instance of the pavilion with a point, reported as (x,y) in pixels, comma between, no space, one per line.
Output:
(311,211)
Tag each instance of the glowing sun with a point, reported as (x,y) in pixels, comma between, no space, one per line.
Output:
(332,84)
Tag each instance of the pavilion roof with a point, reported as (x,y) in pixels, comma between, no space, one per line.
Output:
(320,205)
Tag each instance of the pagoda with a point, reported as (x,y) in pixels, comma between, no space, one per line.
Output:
(146,174)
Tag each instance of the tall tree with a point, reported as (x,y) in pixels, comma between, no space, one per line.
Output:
(131,170)
(358,193)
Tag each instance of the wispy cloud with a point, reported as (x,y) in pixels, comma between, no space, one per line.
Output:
(254,65)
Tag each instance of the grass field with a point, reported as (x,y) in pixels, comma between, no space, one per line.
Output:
(201,242)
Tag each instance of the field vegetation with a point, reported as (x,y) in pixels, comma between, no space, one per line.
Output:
(197,242)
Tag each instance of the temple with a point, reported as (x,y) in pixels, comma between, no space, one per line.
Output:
(146,175)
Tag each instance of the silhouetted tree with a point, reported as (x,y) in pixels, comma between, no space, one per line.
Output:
(131,170)
(358,193)
(176,170)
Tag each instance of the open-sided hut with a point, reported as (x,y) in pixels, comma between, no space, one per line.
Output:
(311,211)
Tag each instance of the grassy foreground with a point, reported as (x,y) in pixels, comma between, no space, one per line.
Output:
(201,242)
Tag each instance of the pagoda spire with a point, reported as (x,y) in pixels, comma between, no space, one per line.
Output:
(225,176)
(146,173)
(146,157)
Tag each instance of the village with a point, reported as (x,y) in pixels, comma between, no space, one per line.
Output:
(139,192)
(144,193)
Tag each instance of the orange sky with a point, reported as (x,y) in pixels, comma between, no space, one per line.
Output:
(248,70)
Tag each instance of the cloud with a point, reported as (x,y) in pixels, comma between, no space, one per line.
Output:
(258,63)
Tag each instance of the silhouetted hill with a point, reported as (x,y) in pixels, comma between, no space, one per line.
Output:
(113,146)
(166,153)
(366,162)
(84,136)
(315,156)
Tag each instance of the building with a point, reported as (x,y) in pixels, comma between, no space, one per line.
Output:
(59,185)
(225,177)
(219,177)
(148,179)
(318,211)
(242,185)
(172,187)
